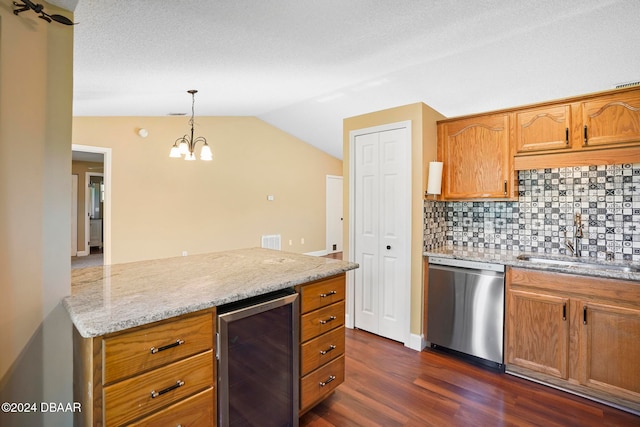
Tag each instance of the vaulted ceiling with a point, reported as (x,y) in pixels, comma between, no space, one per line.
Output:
(304,65)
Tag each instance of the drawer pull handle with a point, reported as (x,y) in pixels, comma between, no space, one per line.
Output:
(327,381)
(155,394)
(328,294)
(330,319)
(331,348)
(155,350)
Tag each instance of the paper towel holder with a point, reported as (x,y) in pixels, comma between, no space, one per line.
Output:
(434,182)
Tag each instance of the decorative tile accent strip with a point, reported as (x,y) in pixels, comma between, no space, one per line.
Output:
(435,226)
(607,197)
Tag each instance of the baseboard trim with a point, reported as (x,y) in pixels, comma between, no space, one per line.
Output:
(82,253)
(416,342)
(317,253)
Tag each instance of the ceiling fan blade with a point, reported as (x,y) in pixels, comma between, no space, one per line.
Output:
(29,3)
(62,19)
(45,17)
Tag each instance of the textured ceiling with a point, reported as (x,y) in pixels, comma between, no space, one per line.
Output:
(305,65)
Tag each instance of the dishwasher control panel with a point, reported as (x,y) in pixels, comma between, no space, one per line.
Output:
(463,263)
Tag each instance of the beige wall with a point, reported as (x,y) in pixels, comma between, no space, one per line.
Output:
(35,169)
(163,206)
(423,137)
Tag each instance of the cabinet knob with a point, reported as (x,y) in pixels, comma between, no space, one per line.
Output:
(388,247)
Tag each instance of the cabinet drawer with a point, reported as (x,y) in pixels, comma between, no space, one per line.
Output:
(132,398)
(322,320)
(321,350)
(146,348)
(321,294)
(321,382)
(195,411)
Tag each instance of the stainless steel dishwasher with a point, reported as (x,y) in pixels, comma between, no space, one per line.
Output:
(466,308)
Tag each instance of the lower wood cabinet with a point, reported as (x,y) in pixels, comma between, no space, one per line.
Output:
(610,348)
(192,411)
(322,339)
(575,332)
(532,316)
(162,373)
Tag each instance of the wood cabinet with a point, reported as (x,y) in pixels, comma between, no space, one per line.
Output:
(477,157)
(575,332)
(481,152)
(612,119)
(595,129)
(543,128)
(162,372)
(610,348)
(533,315)
(322,338)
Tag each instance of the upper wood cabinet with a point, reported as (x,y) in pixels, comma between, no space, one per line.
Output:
(481,152)
(544,128)
(612,120)
(477,157)
(596,122)
(589,130)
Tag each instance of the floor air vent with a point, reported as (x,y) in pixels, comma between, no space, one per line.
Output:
(627,84)
(271,242)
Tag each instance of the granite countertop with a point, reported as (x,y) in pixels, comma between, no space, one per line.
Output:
(113,298)
(510,258)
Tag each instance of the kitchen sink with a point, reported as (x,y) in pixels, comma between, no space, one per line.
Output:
(578,263)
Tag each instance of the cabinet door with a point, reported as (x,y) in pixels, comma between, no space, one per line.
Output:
(542,129)
(612,119)
(476,156)
(538,332)
(610,349)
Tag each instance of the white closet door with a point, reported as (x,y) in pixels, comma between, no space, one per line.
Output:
(382,232)
(367,244)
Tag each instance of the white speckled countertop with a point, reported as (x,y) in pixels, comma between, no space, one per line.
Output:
(117,297)
(510,258)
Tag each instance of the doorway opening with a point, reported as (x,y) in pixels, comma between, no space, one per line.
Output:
(91,167)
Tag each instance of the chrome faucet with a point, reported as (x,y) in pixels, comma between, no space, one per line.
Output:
(574,247)
(577,234)
(568,244)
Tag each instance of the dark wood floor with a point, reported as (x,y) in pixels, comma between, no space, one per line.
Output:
(390,385)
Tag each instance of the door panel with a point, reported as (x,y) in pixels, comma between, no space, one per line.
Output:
(334,214)
(382,232)
(610,352)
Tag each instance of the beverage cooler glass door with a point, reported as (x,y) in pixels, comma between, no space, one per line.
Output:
(258,361)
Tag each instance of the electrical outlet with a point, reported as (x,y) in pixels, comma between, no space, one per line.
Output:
(184,253)
(302,240)
(290,242)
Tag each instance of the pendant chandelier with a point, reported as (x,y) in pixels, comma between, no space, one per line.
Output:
(187,144)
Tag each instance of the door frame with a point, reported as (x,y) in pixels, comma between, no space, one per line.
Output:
(74,214)
(87,202)
(106,219)
(329,200)
(350,297)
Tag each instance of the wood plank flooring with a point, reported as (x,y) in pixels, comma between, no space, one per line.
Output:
(389,385)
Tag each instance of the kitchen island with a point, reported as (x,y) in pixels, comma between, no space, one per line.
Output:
(144,335)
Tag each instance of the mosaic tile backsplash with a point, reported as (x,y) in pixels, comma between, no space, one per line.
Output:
(542,220)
